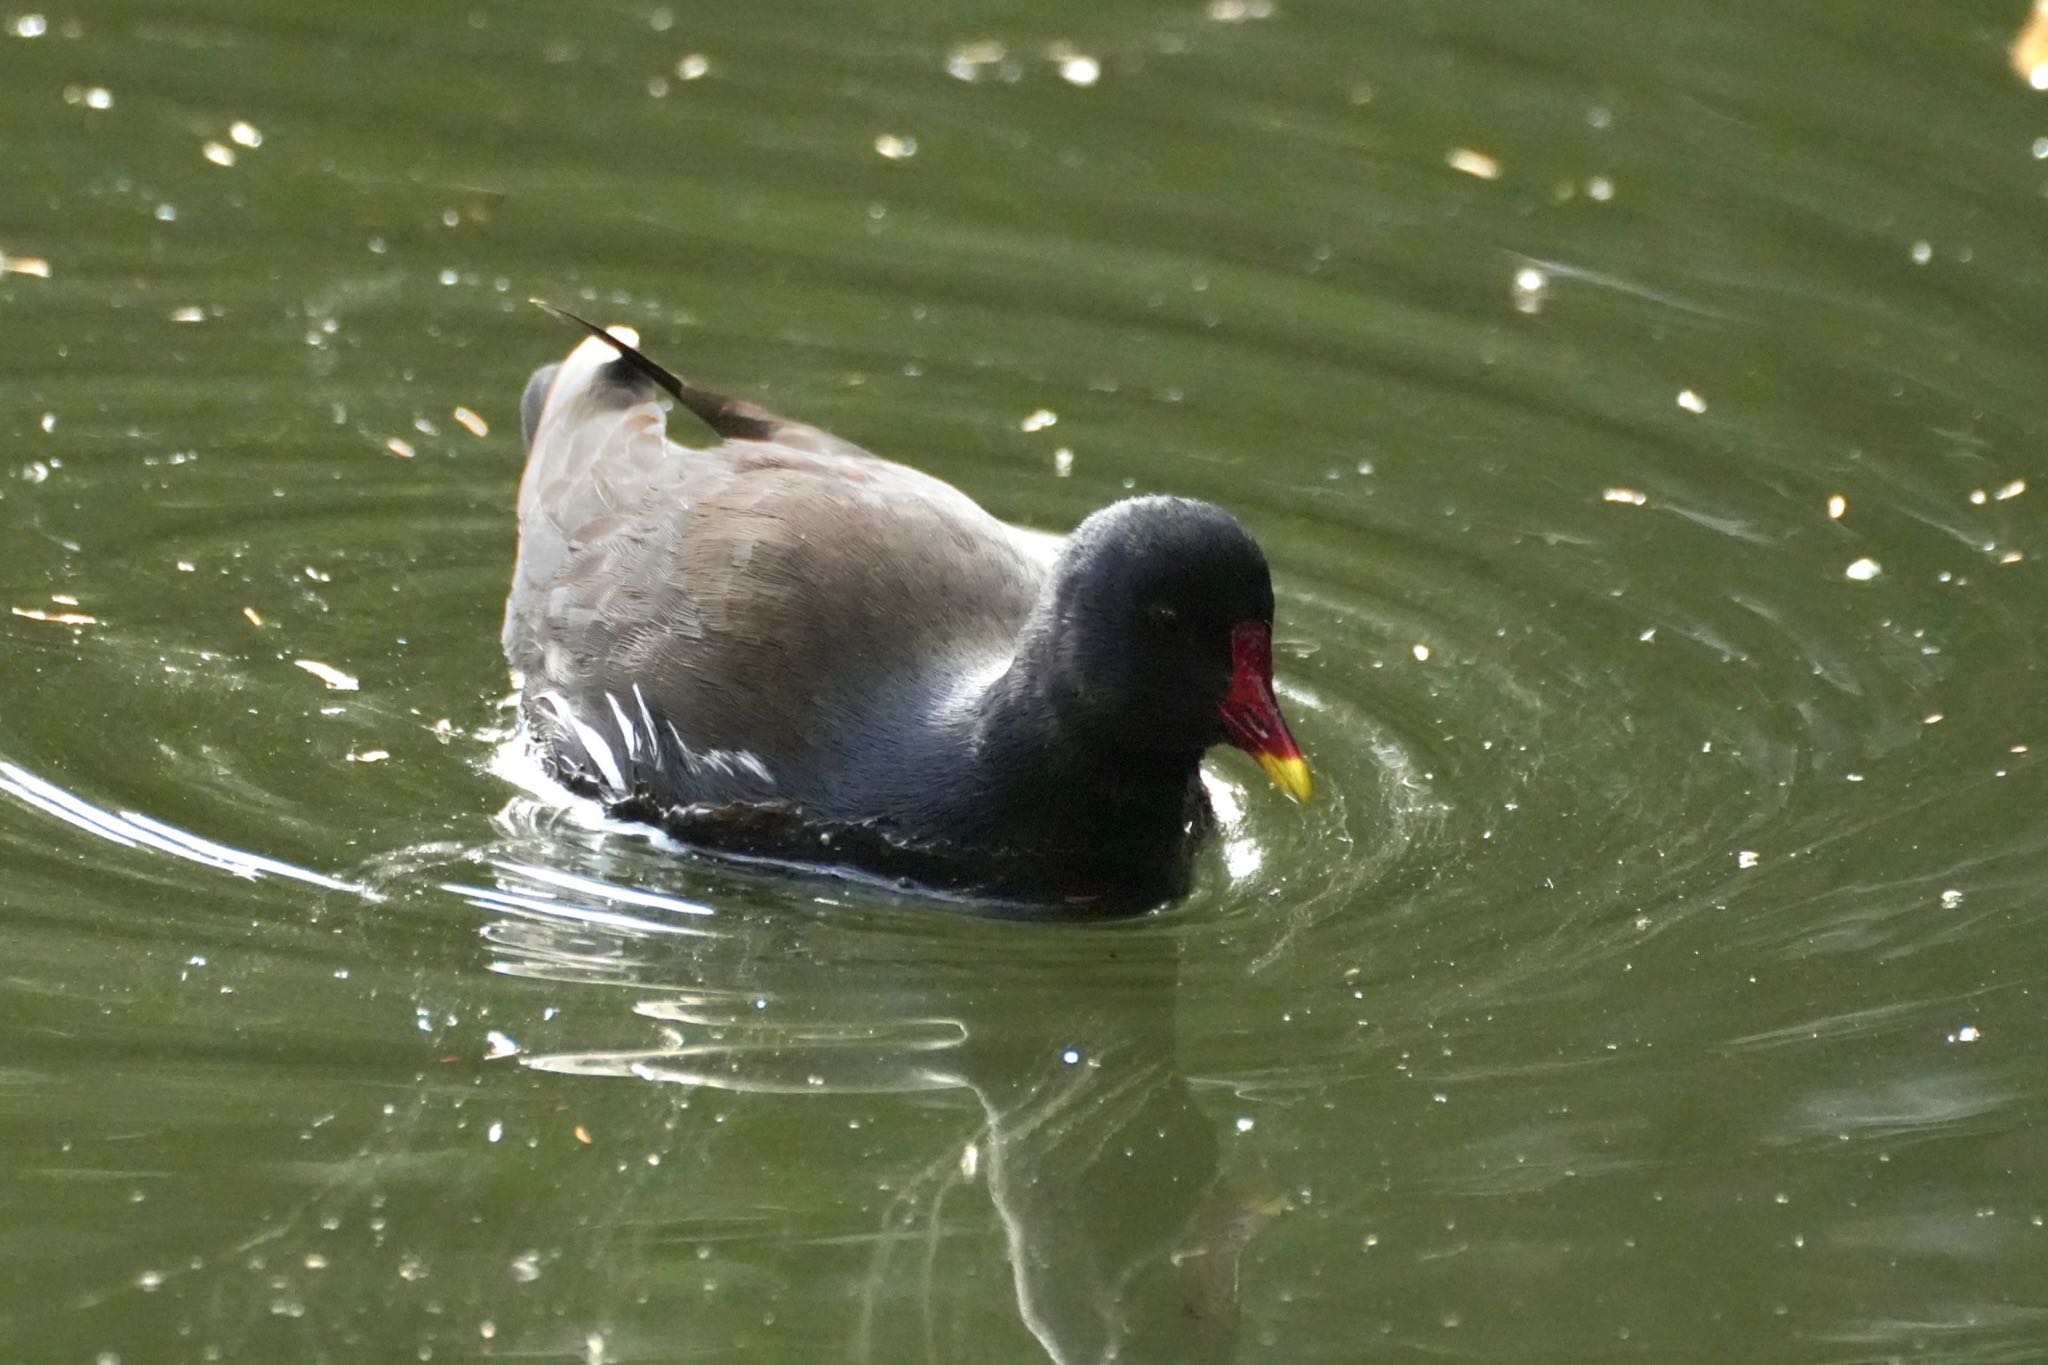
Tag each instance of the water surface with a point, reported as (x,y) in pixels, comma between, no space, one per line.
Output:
(1639,404)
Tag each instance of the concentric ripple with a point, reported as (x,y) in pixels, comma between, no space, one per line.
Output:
(1640,407)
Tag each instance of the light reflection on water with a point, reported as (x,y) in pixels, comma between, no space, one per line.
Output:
(1660,977)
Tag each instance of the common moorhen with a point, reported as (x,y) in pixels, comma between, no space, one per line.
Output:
(786,647)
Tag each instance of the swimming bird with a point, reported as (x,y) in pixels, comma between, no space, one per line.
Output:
(784,647)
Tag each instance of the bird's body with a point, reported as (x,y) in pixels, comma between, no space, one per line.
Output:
(783,645)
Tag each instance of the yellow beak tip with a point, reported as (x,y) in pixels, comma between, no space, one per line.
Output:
(1290,775)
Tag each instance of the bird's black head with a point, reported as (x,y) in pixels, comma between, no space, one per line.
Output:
(1156,637)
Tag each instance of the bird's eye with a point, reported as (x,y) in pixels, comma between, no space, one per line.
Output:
(1161,617)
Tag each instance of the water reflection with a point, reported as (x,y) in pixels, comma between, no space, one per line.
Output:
(1121,1234)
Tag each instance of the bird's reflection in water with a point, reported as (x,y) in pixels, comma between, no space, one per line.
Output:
(1123,1240)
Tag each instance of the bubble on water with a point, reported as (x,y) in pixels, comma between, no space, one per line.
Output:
(1863,570)
(1080,69)
(1747,858)
(1691,401)
(895,147)
(1951,898)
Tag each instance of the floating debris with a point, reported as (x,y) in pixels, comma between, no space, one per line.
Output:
(971,61)
(1599,189)
(28,26)
(332,676)
(1691,401)
(255,617)
(893,147)
(219,153)
(400,447)
(24,265)
(1747,858)
(1951,899)
(471,423)
(55,618)
(91,96)
(244,134)
(1968,1033)
(2011,490)
(501,1046)
(1837,506)
(2011,557)
(1863,570)
(1627,496)
(1063,462)
(368,756)
(583,1135)
(1923,252)
(188,314)
(2030,48)
(1978,497)
(1239,11)
(1421,653)
(694,67)
(1039,420)
(1469,162)
(1530,286)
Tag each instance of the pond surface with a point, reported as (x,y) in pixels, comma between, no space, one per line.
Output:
(1639,404)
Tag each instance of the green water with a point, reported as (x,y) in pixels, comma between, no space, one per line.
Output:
(1658,978)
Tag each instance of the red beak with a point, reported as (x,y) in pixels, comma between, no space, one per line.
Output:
(1251,717)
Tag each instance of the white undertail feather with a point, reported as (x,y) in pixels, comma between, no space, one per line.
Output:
(626,729)
(593,743)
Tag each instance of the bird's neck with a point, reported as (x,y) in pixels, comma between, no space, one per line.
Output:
(1070,780)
